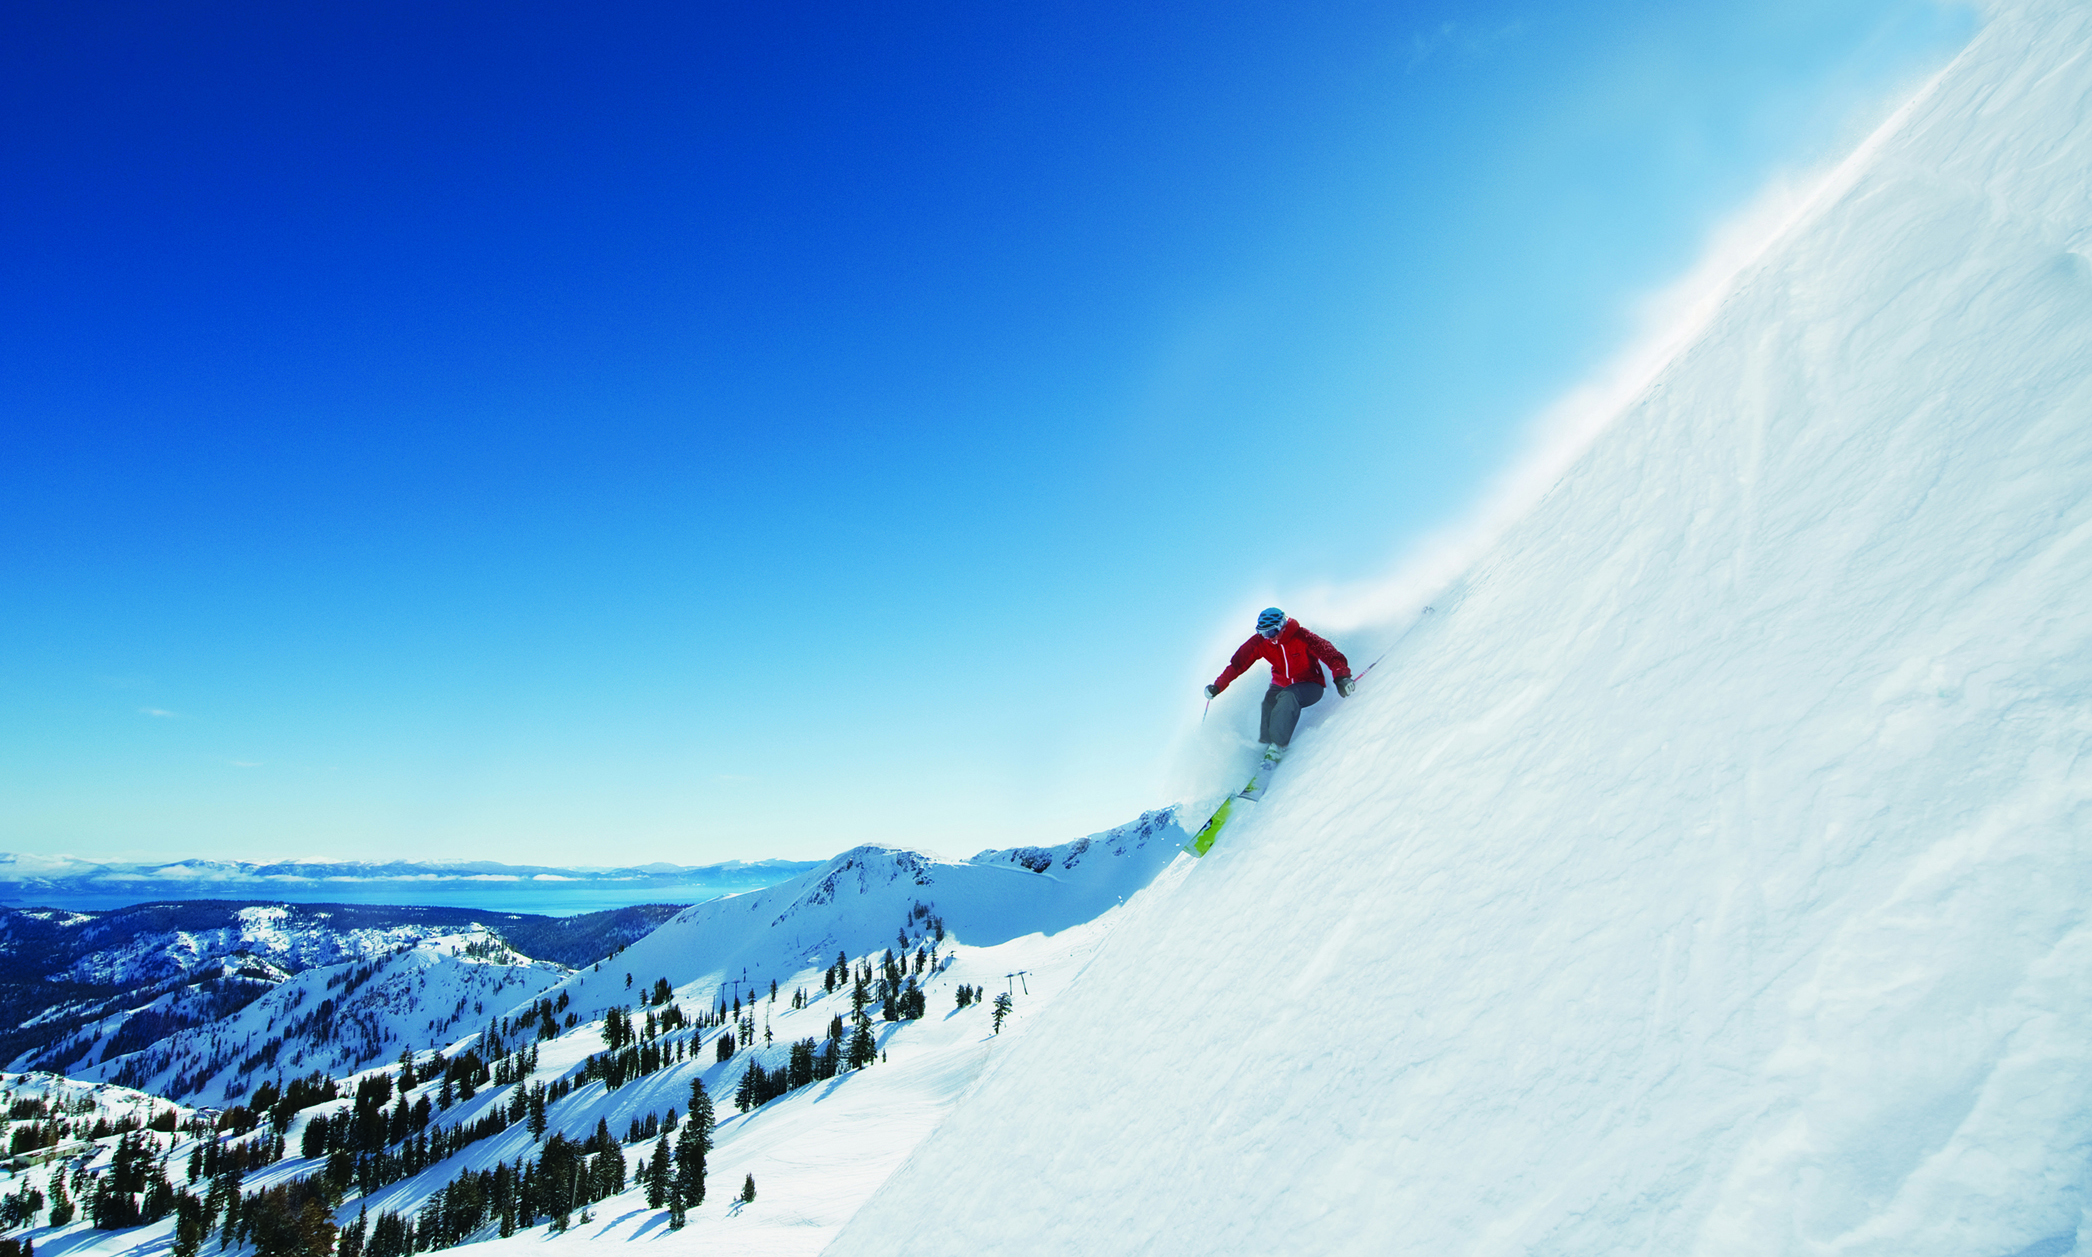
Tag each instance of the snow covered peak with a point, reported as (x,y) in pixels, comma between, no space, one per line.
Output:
(865,899)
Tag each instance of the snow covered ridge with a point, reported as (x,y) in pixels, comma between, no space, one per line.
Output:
(138,974)
(1710,875)
(854,902)
(336,1019)
(275,938)
(51,1123)
(50,1115)
(156,942)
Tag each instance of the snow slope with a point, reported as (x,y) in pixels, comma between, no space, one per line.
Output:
(1709,875)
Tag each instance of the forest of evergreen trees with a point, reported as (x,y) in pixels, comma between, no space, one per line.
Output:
(392,1128)
(565,1178)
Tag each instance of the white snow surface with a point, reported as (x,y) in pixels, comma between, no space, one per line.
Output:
(1709,875)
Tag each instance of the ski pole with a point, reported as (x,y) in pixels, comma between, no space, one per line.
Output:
(1209,707)
(1391,648)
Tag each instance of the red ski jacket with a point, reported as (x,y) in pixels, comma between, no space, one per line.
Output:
(1292,657)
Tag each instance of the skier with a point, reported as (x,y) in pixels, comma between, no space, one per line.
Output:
(1295,656)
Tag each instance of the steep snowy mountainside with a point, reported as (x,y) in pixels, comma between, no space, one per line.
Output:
(61,969)
(1710,875)
(336,1019)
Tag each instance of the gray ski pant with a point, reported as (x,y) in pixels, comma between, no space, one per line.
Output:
(1282,704)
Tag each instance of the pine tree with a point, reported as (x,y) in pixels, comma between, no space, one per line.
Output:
(1002,1010)
(657,1175)
(863,1048)
(617,1028)
(748,1189)
(691,1146)
(535,1120)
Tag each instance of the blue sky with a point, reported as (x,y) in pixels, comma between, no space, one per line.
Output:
(701,431)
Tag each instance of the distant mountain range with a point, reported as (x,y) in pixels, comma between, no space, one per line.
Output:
(57,879)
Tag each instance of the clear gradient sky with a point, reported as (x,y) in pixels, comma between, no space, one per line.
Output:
(695,431)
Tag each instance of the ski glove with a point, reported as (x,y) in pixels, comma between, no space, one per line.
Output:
(1212,692)
(1345,685)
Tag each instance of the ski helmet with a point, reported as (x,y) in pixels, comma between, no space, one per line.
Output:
(1271,620)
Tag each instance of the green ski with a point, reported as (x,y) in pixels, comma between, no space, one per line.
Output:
(1202,841)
